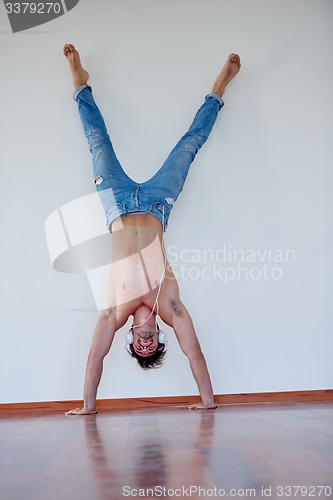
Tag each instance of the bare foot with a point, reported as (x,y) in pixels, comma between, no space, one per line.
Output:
(229,71)
(80,75)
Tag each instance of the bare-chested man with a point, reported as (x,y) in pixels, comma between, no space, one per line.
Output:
(141,282)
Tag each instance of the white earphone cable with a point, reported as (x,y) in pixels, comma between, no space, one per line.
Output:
(160,284)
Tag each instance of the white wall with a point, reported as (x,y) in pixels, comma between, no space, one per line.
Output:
(263,180)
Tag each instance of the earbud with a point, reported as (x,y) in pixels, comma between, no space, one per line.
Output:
(129,339)
(162,338)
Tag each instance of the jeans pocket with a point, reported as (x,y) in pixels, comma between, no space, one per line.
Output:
(116,208)
(161,207)
(112,207)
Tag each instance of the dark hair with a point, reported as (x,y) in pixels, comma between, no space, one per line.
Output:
(153,361)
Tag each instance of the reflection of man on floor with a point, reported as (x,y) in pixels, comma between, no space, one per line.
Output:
(141,281)
(151,458)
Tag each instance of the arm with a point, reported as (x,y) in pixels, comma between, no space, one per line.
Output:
(188,341)
(103,336)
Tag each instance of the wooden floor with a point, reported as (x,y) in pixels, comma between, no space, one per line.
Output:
(105,456)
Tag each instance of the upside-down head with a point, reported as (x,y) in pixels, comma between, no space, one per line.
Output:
(146,343)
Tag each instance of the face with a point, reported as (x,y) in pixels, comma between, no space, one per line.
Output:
(145,342)
(145,336)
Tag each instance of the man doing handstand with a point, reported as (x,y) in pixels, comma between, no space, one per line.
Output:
(141,282)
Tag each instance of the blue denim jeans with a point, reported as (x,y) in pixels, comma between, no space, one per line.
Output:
(121,195)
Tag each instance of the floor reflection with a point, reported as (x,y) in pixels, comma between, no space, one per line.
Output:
(138,454)
(163,449)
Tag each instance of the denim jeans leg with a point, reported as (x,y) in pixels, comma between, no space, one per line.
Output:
(172,175)
(108,173)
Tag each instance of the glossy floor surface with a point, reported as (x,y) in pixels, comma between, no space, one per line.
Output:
(240,451)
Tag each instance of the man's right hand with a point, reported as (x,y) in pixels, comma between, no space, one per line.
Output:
(80,411)
(201,406)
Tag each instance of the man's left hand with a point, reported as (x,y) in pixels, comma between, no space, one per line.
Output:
(201,406)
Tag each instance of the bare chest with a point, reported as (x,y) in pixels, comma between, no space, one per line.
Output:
(138,264)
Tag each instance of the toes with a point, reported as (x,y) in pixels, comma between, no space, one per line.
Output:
(68,47)
(234,58)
